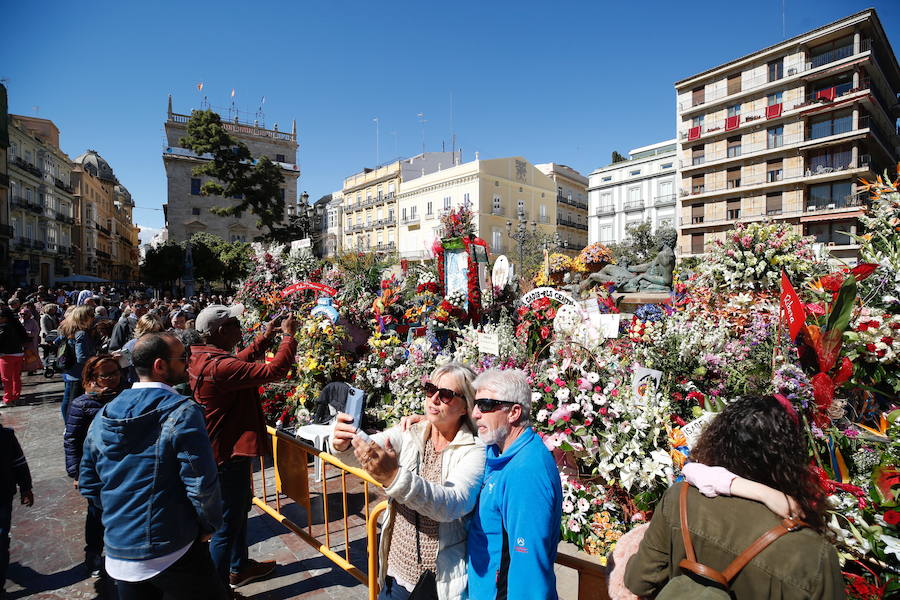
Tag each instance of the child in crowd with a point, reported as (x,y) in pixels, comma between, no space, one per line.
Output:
(14,474)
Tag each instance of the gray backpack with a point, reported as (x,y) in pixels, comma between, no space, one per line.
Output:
(706,582)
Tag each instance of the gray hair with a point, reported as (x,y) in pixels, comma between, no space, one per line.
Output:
(510,385)
(464,377)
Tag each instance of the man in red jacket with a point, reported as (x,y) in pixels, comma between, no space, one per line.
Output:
(227,386)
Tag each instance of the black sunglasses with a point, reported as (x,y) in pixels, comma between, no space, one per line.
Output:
(445,395)
(489,405)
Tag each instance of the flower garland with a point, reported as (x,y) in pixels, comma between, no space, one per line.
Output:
(474,291)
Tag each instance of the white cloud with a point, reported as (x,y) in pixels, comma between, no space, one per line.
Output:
(146,234)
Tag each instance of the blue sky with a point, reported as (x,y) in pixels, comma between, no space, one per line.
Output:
(567,82)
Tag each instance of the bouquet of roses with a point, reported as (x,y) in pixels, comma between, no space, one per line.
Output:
(457,223)
(873,344)
(427,282)
(535,324)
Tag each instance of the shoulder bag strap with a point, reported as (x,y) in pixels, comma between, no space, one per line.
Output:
(724,577)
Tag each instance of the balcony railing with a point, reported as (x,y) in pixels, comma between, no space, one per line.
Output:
(819,205)
(633,205)
(103,254)
(664,200)
(571,201)
(762,80)
(63,185)
(24,242)
(572,224)
(778,177)
(603,211)
(27,166)
(410,219)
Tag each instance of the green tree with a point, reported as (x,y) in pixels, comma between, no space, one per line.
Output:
(533,253)
(641,244)
(617,158)
(205,251)
(254,185)
(163,264)
(236,264)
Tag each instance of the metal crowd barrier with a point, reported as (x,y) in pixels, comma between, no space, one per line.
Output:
(290,459)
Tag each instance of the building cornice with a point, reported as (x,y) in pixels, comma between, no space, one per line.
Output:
(439,185)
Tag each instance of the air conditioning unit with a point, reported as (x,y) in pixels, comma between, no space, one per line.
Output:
(812,208)
(792,71)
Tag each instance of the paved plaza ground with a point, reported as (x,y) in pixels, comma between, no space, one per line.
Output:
(48,538)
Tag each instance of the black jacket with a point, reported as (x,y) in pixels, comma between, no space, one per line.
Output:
(12,337)
(122,332)
(81,412)
(13,467)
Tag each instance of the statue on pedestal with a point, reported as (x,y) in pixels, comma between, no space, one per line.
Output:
(653,276)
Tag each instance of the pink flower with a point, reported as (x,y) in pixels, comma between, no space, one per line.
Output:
(567,431)
(559,382)
(598,389)
(614,393)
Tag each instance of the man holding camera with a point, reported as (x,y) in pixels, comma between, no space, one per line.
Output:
(227,385)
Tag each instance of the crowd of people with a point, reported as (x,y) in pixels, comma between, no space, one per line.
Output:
(163,416)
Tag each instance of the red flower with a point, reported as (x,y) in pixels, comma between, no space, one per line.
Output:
(549,404)
(870,347)
(567,431)
(567,418)
(887,340)
(545,332)
(892,517)
(587,422)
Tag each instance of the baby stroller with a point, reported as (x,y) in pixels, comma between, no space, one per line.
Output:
(50,348)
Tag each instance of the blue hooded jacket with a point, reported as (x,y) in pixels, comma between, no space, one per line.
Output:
(514,531)
(148,464)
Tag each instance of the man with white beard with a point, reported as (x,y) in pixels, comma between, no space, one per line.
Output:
(515,528)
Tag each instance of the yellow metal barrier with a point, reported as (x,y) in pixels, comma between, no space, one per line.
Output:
(291,457)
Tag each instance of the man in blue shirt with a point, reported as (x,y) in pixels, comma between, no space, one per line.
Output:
(515,528)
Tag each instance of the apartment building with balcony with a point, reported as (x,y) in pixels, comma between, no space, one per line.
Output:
(187,211)
(571,206)
(370,199)
(5,229)
(40,202)
(94,185)
(498,191)
(785,133)
(629,192)
(332,224)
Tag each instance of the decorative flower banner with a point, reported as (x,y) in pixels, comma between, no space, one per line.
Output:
(547,292)
(309,285)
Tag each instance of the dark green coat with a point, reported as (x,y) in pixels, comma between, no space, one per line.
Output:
(801,564)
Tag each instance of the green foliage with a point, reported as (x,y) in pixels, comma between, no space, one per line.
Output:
(255,185)
(640,244)
(217,260)
(617,158)
(163,264)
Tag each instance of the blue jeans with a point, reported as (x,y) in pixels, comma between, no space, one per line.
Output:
(5,524)
(228,546)
(392,590)
(72,391)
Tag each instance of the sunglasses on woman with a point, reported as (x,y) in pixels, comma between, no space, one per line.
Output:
(445,395)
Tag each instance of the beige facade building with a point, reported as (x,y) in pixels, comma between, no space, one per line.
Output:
(783,134)
(370,199)
(498,191)
(41,202)
(6,232)
(188,212)
(106,237)
(571,206)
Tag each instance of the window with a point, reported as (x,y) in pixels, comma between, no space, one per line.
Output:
(282,193)
(698,121)
(698,184)
(830,52)
(195,211)
(543,213)
(634,173)
(665,166)
(833,233)
(520,207)
(607,178)
(830,159)
(378,214)
(698,95)
(279,158)
(774,98)
(733,178)
(734,84)
(734,146)
(698,243)
(606,233)
(832,124)
(733,209)
(403,214)
(776,69)
(496,239)
(665,189)
(698,155)
(665,223)
(634,195)
(466,201)
(412,212)
(734,110)
(697,213)
(195,186)
(446,202)
(827,196)
(775,137)
(773,203)
(774,171)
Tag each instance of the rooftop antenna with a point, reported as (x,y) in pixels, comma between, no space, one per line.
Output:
(783,27)
(260,115)
(377,147)
(422,121)
(452,134)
